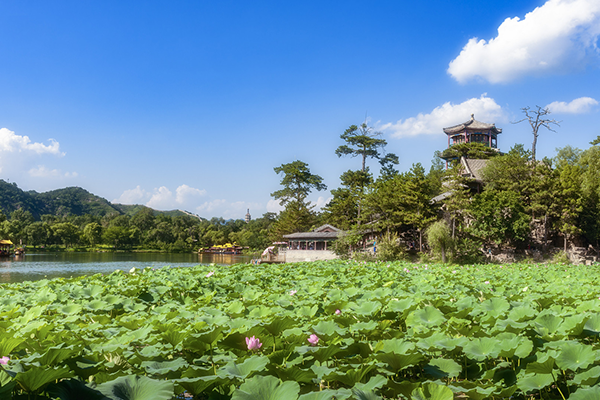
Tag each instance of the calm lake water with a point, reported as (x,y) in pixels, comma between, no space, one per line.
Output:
(31,267)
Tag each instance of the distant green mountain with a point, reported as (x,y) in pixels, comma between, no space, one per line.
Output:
(62,202)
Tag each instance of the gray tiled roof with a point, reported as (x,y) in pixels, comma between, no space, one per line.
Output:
(472,124)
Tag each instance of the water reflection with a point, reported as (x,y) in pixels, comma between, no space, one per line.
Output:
(31,267)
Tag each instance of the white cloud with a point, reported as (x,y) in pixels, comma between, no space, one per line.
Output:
(211,206)
(185,194)
(133,196)
(274,206)
(581,105)
(42,172)
(485,109)
(162,198)
(322,202)
(559,36)
(10,142)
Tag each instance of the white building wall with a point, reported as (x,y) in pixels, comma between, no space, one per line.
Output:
(309,255)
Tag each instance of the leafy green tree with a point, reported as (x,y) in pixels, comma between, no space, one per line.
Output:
(472,150)
(361,141)
(569,203)
(37,233)
(297,182)
(499,217)
(342,210)
(19,220)
(440,239)
(93,233)
(67,232)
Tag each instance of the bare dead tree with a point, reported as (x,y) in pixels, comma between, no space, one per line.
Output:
(537,119)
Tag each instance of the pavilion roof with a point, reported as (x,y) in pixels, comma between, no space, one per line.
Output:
(472,124)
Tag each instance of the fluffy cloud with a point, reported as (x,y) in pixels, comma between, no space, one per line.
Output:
(185,194)
(581,105)
(133,196)
(559,36)
(162,198)
(274,206)
(10,142)
(42,172)
(485,109)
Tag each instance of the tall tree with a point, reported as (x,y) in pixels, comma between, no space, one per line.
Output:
(361,141)
(297,182)
(537,118)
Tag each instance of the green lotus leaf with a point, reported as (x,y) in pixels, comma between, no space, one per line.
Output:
(327,328)
(266,388)
(327,394)
(398,362)
(351,376)
(432,391)
(365,395)
(398,346)
(38,376)
(8,344)
(367,308)
(574,356)
(428,316)
(242,371)
(481,348)
(307,311)
(296,374)
(376,382)
(54,356)
(592,325)
(280,324)
(522,313)
(259,311)
(70,309)
(92,291)
(96,305)
(534,382)
(72,389)
(7,384)
(495,307)
(112,299)
(321,370)
(547,324)
(364,327)
(589,377)
(199,385)
(443,368)
(592,393)
(236,307)
(133,387)
(163,367)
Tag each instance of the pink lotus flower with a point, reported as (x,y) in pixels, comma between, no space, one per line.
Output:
(293,292)
(253,343)
(4,360)
(338,312)
(211,273)
(313,340)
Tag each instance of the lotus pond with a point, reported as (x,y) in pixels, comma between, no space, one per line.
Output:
(312,331)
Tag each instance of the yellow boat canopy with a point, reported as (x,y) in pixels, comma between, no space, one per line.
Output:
(6,242)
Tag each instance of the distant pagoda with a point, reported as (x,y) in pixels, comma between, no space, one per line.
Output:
(248,217)
(473,131)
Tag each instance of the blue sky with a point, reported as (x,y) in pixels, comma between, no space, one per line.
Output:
(190,105)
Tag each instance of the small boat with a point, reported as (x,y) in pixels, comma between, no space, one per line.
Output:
(5,248)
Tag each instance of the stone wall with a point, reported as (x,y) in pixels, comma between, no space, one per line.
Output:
(309,255)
